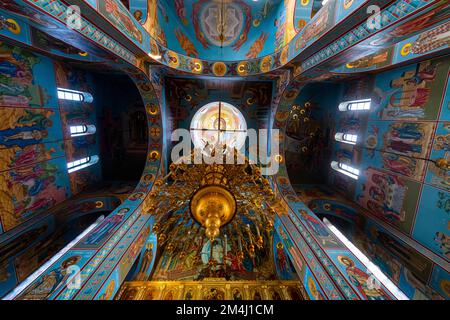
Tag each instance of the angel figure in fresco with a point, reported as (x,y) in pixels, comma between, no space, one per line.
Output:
(49,283)
(186,44)
(257,46)
(363,281)
(314,224)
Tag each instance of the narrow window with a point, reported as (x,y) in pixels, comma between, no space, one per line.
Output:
(82,130)
(73,95)
(346,137)
(345,169)
(81,163)
(355,105)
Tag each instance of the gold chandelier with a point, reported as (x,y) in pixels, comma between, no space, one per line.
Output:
(233,202)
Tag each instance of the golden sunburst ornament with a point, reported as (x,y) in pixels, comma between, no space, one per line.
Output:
(219,69)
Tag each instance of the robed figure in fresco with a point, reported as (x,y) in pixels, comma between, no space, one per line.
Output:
(363,281)
(49,283)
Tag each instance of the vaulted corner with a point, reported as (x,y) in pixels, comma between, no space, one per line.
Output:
(224,150)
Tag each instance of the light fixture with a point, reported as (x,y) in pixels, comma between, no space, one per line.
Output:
(230,203)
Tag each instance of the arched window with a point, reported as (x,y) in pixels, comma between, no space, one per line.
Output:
(82,130)
(73,95)
(355,105)
(81,163)
(345,169)
(346,137)
(218,123)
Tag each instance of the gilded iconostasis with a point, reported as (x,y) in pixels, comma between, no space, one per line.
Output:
(347,198)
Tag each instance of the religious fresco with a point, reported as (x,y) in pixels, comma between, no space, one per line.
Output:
(435,176)
(121,17)
(56,277)
(401,262)
(32,190)
(144,263)
(410,93)
(389,197)
(20,88)
(283,264)
(29,134)
(360,277)
(34,244)
(425,43)
(322,22)
(395,144)
(434,233)
(192,261)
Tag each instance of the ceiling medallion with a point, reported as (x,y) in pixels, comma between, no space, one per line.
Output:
(221,23)
(219,68)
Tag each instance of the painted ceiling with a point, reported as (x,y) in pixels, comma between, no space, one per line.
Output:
(219,30)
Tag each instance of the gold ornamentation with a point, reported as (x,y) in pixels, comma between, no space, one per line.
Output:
(174,61)
(219,68)
(347,4)
(442,163)
(243,68)
(406,49)
(223,200)
(212,289)
(196,66)
(152,109)
(212,207)
(154,155)
(284,55)
(266,64)
(13,26)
